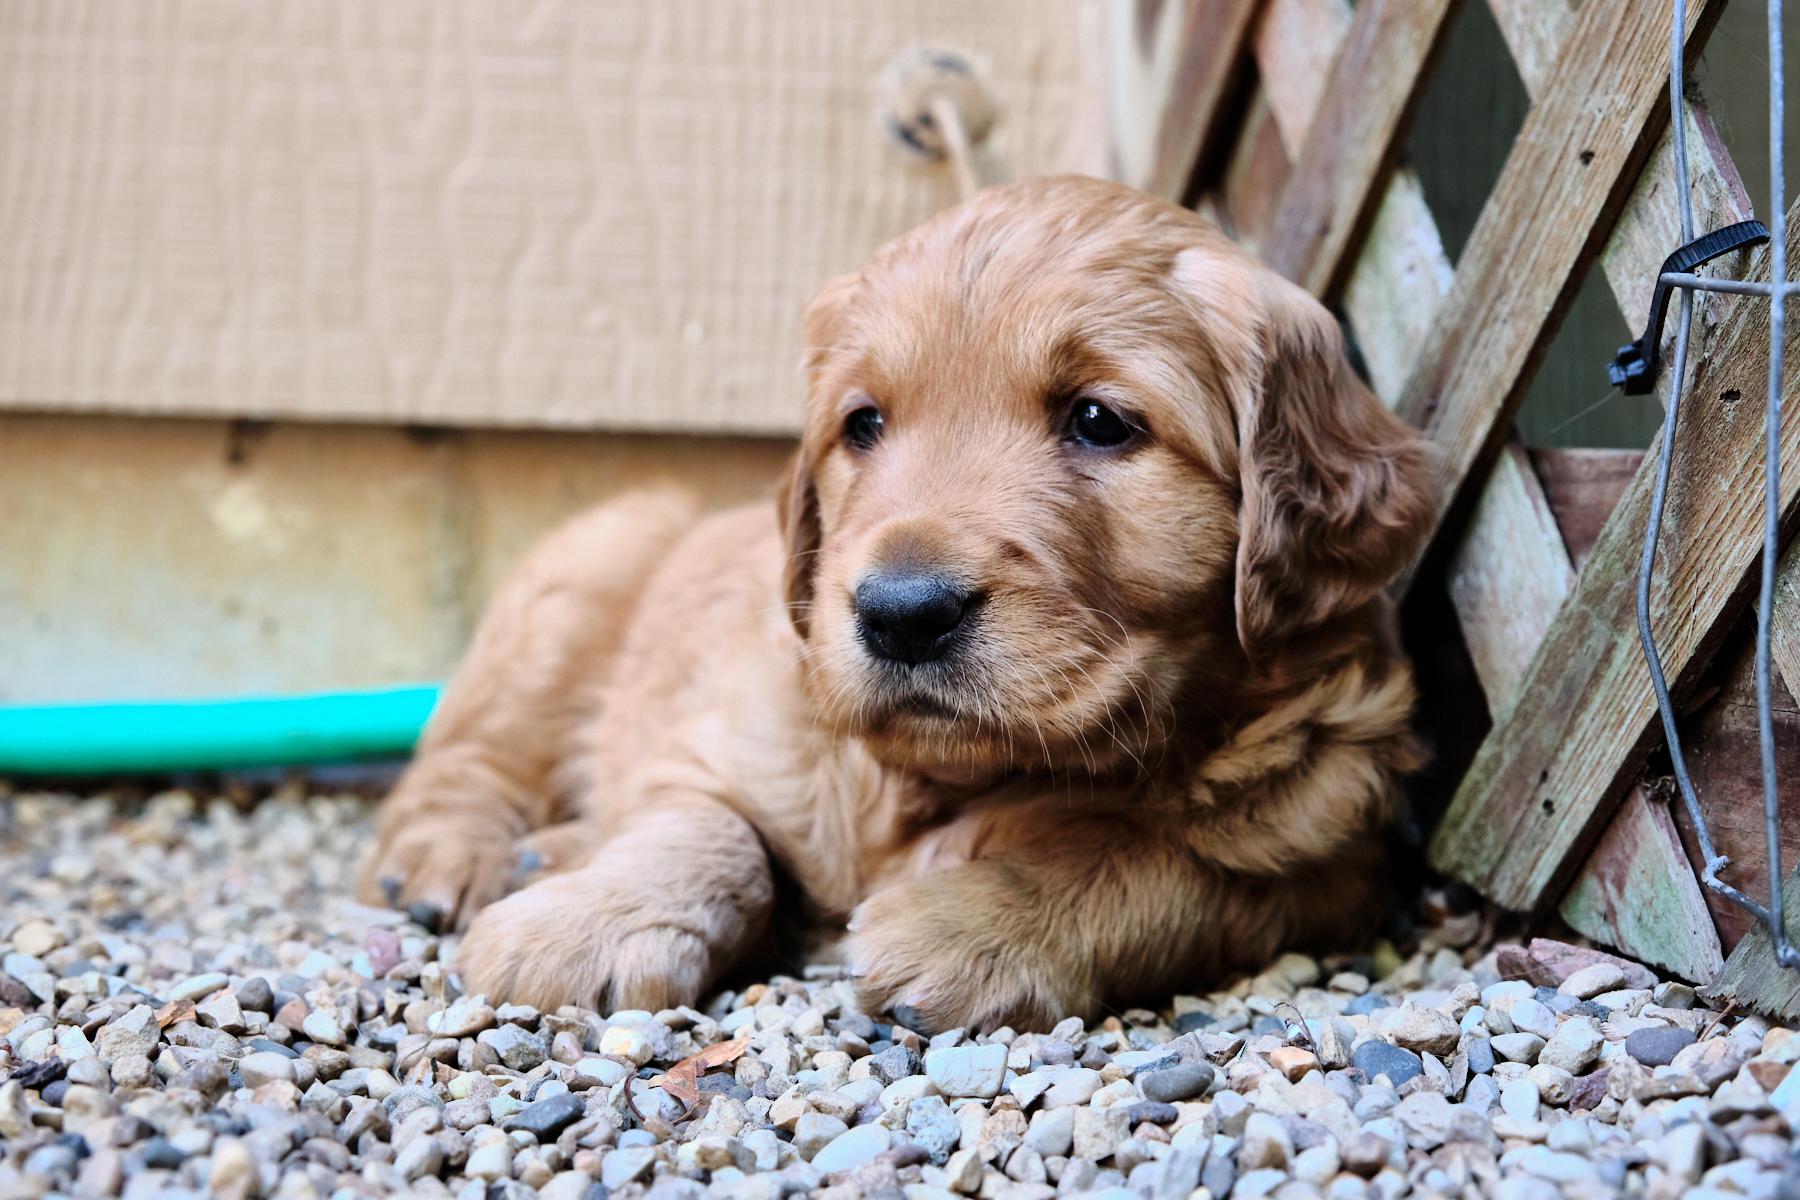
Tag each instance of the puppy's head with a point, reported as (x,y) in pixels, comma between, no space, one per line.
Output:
(1069,457)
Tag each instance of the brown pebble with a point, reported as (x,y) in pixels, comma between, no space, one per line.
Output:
(1294,1062)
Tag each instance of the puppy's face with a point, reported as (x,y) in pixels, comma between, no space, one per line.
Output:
(1071,461)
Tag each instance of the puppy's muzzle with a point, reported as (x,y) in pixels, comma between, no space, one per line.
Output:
(909,617)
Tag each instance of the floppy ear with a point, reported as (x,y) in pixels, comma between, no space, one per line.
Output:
(797,502)
(1334,495)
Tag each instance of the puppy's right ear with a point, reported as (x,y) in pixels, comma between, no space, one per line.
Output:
(824,326)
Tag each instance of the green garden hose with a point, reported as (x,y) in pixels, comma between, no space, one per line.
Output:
(141,737)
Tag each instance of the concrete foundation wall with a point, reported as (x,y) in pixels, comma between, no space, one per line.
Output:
(159,558)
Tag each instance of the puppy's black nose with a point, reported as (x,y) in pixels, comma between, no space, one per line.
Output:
(908,616)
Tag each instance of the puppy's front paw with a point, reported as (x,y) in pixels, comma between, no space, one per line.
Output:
(939,952)
(447,867)
(575,939)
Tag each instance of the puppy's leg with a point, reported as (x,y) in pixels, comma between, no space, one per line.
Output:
(485,771)
(1053,922)
(662,908)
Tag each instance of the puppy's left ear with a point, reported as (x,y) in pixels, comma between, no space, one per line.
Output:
(1334,487)
(797,504)
(824,326)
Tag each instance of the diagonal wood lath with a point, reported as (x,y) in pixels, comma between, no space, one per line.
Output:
(1545,780)
(1338,182)
(1569,174)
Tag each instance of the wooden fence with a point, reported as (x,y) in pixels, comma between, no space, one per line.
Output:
(1538,552)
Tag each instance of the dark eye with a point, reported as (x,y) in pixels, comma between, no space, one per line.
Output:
(862,428)
(1094,424)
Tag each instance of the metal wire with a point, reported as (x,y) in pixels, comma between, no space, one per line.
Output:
(1772,916)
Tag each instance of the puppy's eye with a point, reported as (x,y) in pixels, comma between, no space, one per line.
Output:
(862,428)
(1094,424)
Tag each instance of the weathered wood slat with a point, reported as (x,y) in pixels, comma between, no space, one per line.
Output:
(1636,892)
(1173,66)
(1534,32)
(1296,43)
(1570,172)
(1350,146)
(1751,976)
(1545,781)
(1397,286)
(1508,577)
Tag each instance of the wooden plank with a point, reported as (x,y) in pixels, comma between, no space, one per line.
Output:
(1534,32)
(1545,781)
(1255,176)
(1508,577)
(1638,894)
(1296,43)
(1173,65)
(1650,227)
(1570,171)
(1583,486)
(604,214)
(1397,286)
(1353,139)
(1751,977)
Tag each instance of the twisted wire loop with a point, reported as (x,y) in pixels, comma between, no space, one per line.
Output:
(1771,916)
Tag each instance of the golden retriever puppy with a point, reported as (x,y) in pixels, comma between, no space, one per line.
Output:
(1058,672)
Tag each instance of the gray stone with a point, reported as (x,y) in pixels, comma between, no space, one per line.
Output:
(623,1166)
(1380,1058)
(1658,1047)
(931,1124)
(549,1117)
(1518,1047)
(518,1049)
(1181,1082)
(893,1064)
(1529,1016)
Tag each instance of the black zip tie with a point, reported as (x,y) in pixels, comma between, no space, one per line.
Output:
(1634,367)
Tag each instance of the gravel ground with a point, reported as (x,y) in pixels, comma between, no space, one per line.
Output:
(192,1005)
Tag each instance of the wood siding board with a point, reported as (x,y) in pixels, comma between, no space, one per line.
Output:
(1353,140)
(1545,781)
(1567,178)
(606,214)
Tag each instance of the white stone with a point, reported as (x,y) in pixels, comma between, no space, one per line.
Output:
(265,1066)
(197,986)
(1592,980)
(1576,1046)
(626,1043)
(853,1148)
(1266,1144)
(976,1071)
(1528,1016)
(1519,1100)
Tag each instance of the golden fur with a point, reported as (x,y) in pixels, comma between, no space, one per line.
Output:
(1162,750)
